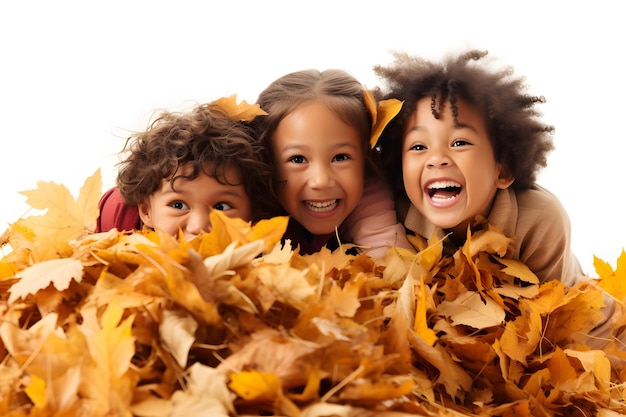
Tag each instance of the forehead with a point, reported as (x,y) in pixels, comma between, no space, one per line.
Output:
(222,170)
(313,123)
(462,112)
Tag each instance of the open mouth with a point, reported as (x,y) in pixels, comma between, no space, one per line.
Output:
(321,206)
(443,190)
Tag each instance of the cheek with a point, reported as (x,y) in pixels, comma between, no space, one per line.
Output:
(410,170)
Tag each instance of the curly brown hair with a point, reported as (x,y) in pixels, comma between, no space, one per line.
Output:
(520,141)
(336,88)
(204,138)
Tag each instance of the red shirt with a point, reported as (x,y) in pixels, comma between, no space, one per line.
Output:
(115,213)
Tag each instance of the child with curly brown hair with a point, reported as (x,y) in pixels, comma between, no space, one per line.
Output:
(318,135)
(183,166)
(469,142)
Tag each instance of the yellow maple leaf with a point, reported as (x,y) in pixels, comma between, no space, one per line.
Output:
(253,385)
(226,230)
(270,230)
(58,272)
(612,281)
(65,218)
(243,111)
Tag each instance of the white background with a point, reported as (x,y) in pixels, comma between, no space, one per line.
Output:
(76,75)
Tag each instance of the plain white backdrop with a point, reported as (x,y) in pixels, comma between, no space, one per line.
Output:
(76,75)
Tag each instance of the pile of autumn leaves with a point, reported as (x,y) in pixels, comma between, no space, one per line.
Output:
(231,324)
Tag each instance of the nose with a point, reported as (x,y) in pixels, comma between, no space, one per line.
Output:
(320,176)
(197,222)
(438,158)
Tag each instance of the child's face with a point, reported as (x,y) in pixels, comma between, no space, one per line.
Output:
(450,172)
(320,162)
(189,206)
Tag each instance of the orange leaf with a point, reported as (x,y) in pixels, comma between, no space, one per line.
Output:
(227,230)
(424,301)
(387,110)
(243,111)
(519,270)
(472,310)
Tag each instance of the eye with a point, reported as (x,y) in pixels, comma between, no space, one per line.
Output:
(460,142)
(223,207)
(297,159)
(341,157)
(179,205)
(418,147)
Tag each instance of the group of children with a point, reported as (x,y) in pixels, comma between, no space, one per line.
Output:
(466,142)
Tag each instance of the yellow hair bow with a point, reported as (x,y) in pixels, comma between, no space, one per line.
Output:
(243,111)
(381,114)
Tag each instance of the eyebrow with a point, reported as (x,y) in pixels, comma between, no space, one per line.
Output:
(457,126)
(230,192)
(299,147)
(461,125)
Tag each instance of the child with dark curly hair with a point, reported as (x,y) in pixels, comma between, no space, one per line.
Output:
(468,142)
(183,166)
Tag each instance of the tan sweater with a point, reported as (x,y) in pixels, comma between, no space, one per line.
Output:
(539,225)
(541,229)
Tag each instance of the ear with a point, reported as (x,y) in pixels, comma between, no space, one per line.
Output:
(505,178)
(145,214)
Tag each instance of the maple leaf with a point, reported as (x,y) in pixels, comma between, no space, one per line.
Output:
(300,335)
(253,385)
(612,281)
(272,352)
(519,270)
(56,272)
(455,379)
(227,230)
(66,218)
(472,310)
(239,111)
(20,241)
(288,284)
(576,313)
(522,335)
(107,379)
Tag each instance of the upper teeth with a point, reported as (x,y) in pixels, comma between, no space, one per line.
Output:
(443,184)
(320,204)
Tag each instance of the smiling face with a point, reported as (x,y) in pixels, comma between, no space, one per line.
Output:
(450,172)
(319,162)
(189,205)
